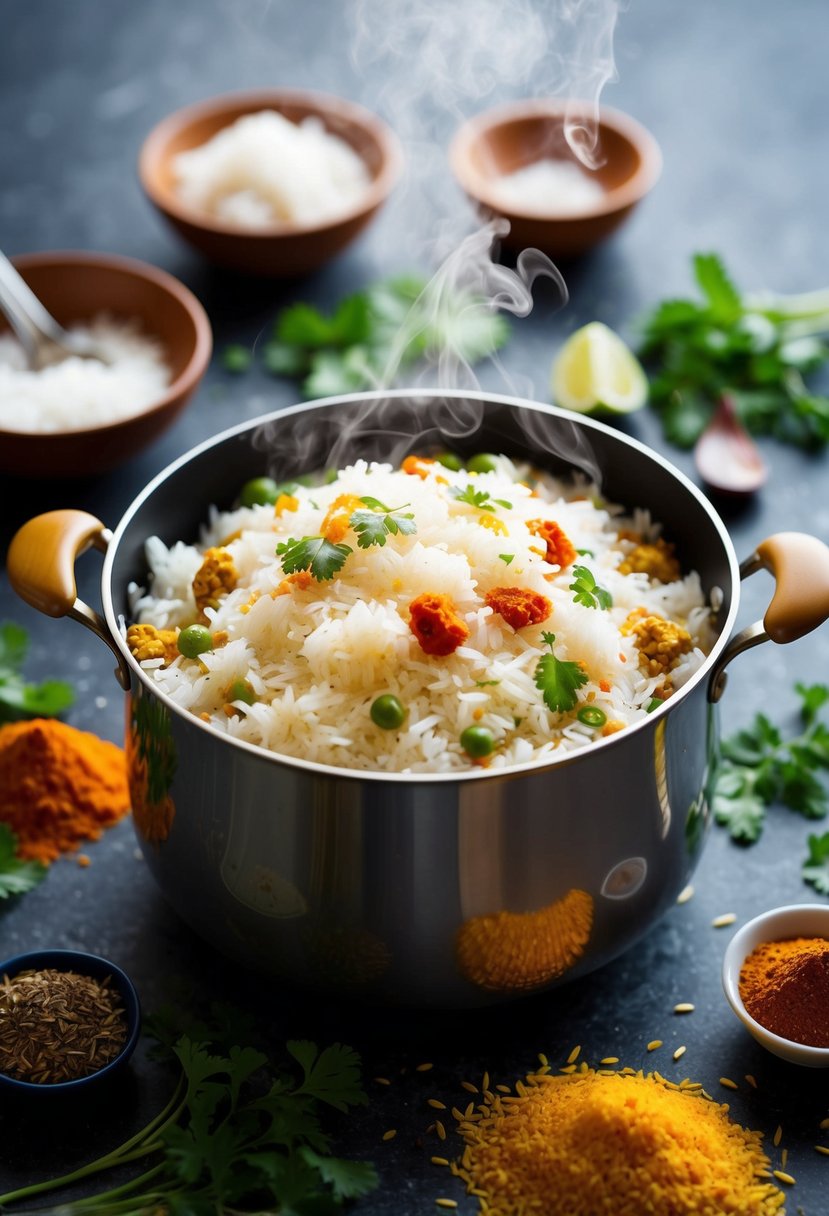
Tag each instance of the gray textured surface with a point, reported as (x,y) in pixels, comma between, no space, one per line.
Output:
(737,97)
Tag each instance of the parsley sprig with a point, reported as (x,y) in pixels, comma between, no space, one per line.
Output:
(238,1134)
(16,876)
(756,348)
(373,526)
(587,591)
(759,767)
(19,698)
(478,498)
(558,680)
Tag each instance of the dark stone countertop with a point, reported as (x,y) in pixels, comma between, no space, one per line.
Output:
(736,95)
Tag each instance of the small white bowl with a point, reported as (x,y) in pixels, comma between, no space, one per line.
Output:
(794,920)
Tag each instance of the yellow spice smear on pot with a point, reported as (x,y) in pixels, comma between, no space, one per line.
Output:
(624,1144)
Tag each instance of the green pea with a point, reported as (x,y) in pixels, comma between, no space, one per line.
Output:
(260,492)
(477,741)
(241,690)
(484,462)
(387,712)
(591,715)
(450,461)
(194,640)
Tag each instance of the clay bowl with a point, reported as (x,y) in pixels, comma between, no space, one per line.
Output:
(76,286)
(512,136)
(280,250)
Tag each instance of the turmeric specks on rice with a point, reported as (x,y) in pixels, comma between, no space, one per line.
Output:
(58,786)
(630,1144)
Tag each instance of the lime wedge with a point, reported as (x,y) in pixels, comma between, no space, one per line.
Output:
(596,371)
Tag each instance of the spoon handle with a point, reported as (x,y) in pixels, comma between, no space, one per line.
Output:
(33,324)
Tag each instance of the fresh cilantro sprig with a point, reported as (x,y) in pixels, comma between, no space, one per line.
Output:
(815,869)
(759,766)
(478,498)
(558,680)
(374,333)
(238,1134)
(319,556)
(16,876)
(755,348)
(18,698)
(373,526)
(587,591)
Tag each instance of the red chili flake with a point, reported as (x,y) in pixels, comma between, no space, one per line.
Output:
(518,606)
(560,550)
(436,624)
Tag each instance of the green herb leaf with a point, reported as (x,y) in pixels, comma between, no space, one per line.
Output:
(736,805)
(724,302)
(283,359)
(558,680)
(373,528)
(815,869)
(16,876)
(236,358)
(477,498)
(313,553)
(18,698)
(587,591)
(506,558)
(331,1076)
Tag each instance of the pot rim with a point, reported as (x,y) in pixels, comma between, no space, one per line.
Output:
(423,778)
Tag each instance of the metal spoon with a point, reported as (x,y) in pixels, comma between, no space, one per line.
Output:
(726,457)
(44,341)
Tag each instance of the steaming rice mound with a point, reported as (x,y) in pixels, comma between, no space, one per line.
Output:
(503,617)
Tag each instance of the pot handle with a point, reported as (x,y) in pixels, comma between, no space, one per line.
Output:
(800,566)
(41,569)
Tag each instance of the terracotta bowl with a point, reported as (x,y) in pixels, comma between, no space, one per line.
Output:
(74,287)
(518,134)
(280,250)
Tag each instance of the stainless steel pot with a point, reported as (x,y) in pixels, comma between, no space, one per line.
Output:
(452,889)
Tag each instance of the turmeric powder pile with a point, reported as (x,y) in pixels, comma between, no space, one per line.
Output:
(58,786)
(624,1143)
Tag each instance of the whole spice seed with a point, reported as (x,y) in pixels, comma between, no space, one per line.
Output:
(58,1026)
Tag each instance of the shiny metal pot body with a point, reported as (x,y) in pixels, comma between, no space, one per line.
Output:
(452,889)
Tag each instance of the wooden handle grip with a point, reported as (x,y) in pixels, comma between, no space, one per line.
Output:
(800,565)
(42,555)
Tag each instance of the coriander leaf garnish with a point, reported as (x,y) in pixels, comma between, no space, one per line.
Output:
(815,868)
(238,1134)
(506,558)
(585,553)
(314,553)
(18,698)
(756,349)
(486,683)
(16,876)
(558,680)
(372,528)
(478,498)
(587,591)
(758,767)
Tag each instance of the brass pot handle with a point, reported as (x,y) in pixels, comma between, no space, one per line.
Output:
(800,566)
(41,568)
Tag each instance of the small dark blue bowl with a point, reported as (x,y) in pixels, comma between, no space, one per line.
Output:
(84,964)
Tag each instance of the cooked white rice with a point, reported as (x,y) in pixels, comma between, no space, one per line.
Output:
(316,658)
(263,169)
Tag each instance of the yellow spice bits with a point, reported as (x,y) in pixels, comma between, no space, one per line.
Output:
(147,642)
(520,951)
(215,577)
(627,1143)
(660,643)
(655,559)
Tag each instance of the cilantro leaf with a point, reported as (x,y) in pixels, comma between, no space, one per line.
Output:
(506,558)
(756,349)
(331,1076)
(314,553)
(16,876)
(373,527)
(347,1179)
(587,591)
(815,868)
(478,498)
(18,698)
(558,680)
(236,358)
(736,805)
